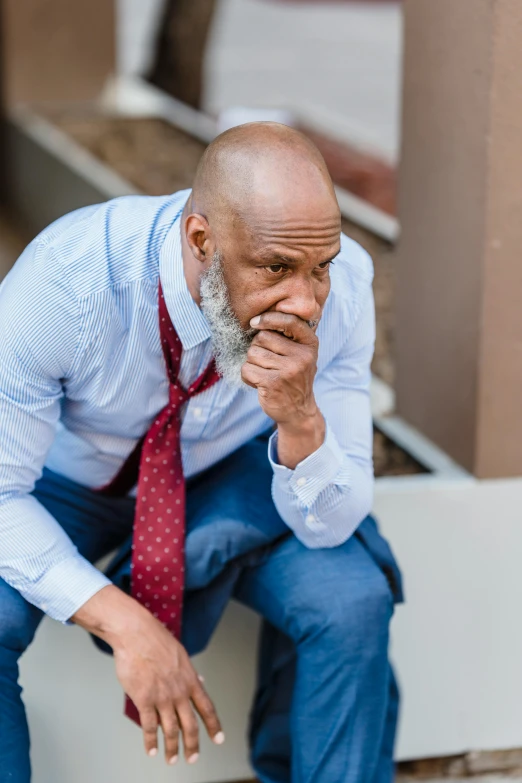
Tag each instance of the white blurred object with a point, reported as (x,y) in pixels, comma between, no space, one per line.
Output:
(337,64)
(239,115)
(340,62)
(138,23)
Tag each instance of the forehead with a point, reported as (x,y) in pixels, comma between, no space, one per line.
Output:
(298,227)
(292,203)
(297,240)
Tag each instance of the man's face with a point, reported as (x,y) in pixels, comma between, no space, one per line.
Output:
(277,265)
(280,268)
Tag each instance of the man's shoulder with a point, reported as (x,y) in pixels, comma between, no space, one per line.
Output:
(353,265)
(350,296)
(351,280)
(110,244)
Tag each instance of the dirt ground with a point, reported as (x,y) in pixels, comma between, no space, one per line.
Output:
(158,158)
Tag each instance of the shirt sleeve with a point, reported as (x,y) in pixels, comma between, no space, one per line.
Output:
(330,492)
(40,339)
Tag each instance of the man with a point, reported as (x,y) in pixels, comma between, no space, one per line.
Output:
(110,322)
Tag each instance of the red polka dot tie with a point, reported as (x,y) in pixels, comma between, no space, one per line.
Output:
(157,578)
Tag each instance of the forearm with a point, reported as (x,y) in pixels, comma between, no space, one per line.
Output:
(39,560)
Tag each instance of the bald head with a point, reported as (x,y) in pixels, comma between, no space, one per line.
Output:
(258,170)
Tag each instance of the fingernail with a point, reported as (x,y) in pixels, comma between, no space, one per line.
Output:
(153,751)
(219,738)
(201,678)
(192,759)
(255,321)
(173,760)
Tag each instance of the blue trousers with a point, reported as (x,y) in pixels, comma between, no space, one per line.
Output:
(326,706)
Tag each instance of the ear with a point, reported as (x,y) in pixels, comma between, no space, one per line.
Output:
(199,237)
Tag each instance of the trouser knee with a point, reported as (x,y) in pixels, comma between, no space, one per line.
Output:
(354,622)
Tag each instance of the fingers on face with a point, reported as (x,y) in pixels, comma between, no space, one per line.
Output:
(291,326)
(248,374)
(253,375)
(262,357)
(272,351)
(273,341)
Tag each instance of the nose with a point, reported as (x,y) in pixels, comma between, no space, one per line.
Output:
(300,299)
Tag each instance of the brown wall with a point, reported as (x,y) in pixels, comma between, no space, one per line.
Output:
(459,325)
(2,124)
(499,415)
(57,50)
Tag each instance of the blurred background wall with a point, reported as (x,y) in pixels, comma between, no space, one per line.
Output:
(338,60)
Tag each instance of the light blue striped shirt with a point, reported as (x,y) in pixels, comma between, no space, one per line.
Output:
(82,377)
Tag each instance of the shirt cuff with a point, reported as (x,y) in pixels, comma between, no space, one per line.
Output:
(314,473)
(65,587)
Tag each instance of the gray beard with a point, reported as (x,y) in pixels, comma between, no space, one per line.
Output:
(230,341)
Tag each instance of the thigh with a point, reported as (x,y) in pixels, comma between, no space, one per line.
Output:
(18,623)
(304,591)
(230,512)
(95,524)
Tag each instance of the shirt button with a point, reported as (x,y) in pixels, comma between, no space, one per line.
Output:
(197,412)
(301,481)
(310,519)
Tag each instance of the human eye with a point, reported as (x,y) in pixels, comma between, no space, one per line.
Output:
(276,269)
(325,265)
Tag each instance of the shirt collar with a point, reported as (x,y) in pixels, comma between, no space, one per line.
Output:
(188,319)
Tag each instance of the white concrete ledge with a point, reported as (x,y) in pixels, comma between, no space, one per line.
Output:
(50,174)
(421,448)
(135,97)
(456,642)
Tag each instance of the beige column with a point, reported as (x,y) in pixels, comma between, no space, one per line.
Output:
(459,262)
(57,50)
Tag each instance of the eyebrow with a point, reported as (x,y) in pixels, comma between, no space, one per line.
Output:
(292,262)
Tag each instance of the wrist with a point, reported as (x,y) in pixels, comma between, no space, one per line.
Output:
(303,424)
(112,615)
(300,437)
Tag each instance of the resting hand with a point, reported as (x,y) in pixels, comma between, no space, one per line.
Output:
(155,672)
